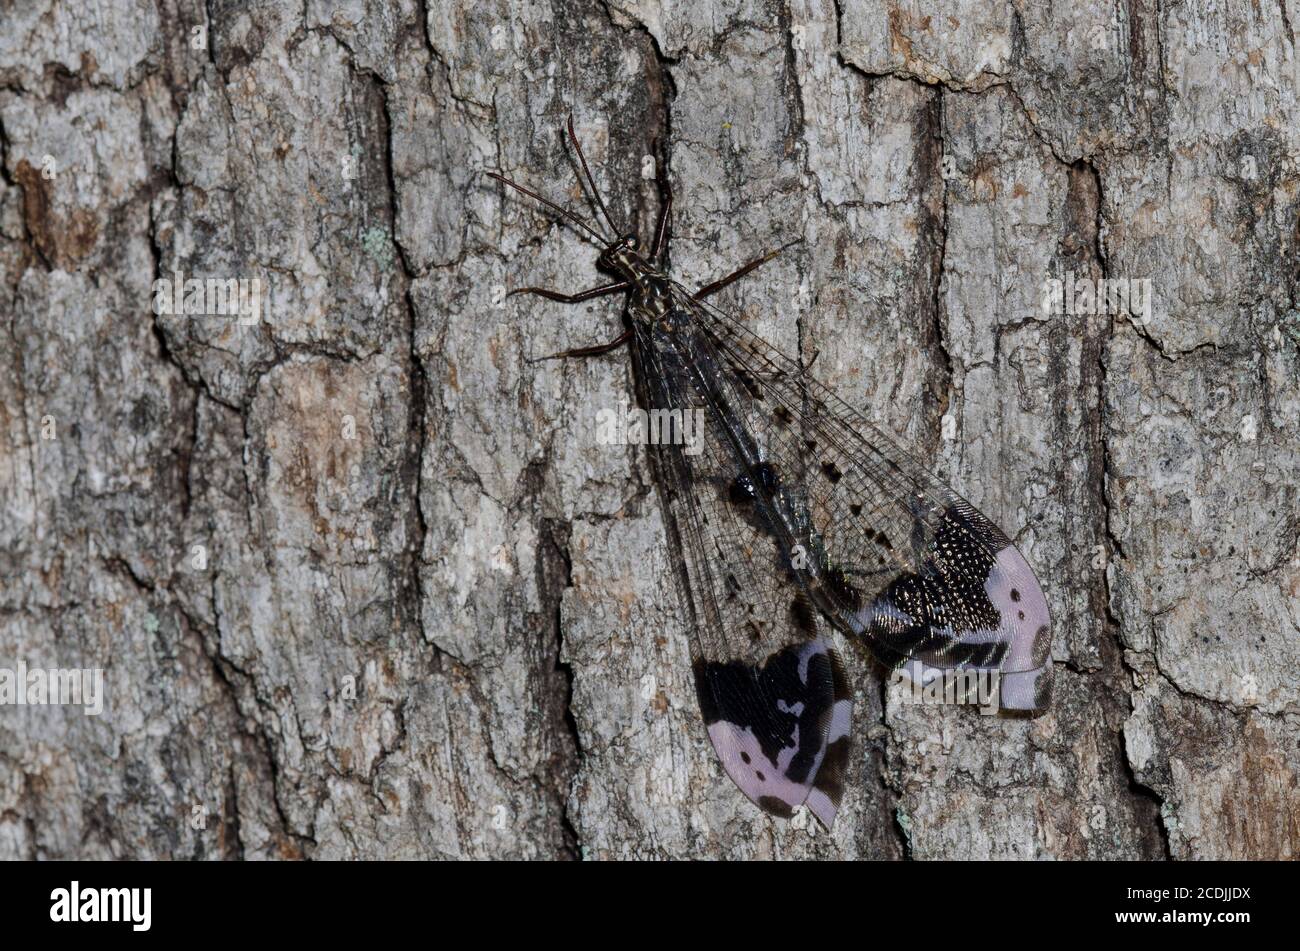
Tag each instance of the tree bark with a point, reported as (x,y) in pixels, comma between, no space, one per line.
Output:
(362,579)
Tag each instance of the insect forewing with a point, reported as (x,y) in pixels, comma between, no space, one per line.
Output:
(895,556)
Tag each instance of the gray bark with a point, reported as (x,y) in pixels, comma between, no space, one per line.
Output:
(385,489)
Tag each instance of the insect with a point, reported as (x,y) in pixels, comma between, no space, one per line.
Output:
(800,524)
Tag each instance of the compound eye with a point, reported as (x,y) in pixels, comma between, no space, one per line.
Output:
(630,242)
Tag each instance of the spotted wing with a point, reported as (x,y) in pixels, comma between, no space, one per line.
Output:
(769,679)
(895,557)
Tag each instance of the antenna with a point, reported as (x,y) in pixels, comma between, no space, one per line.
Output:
(552,205)
(594,191)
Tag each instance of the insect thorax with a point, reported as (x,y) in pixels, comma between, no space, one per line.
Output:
(651,289)
(652,298)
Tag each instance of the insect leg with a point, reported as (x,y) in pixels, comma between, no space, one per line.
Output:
(598,349)
(572,298)
(719,284)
